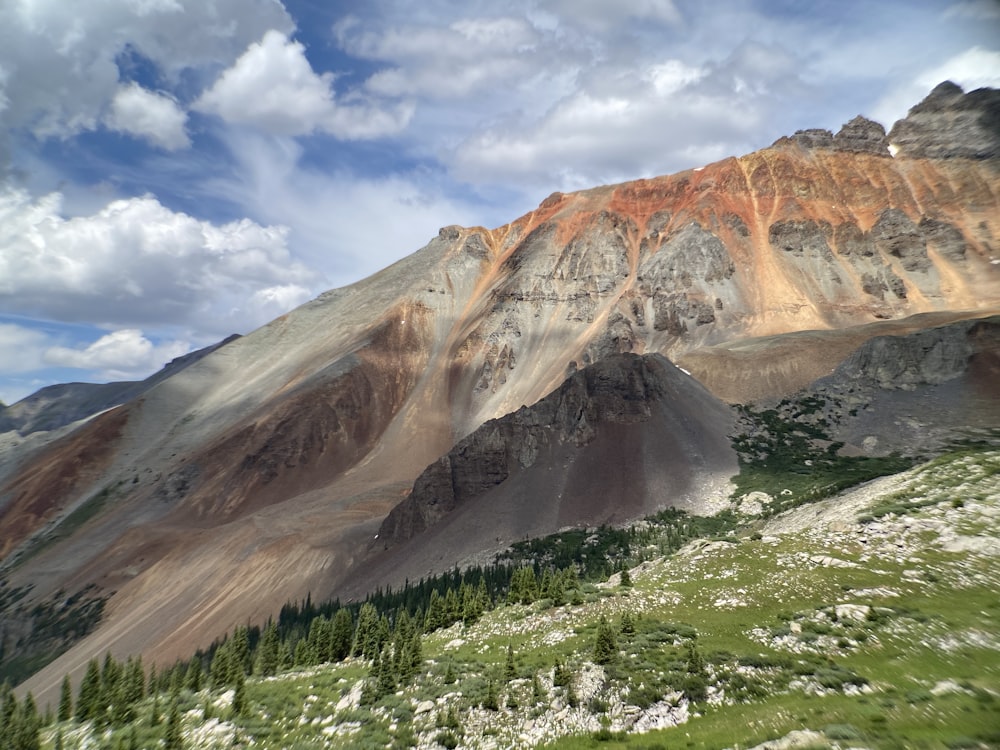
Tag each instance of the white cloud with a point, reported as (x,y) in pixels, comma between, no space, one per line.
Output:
(20,348)
(621,124)
(137,262)
(348,224)
(453,61)
(59,62)
(146,114)
(272,86)
(971,69)
(120,355)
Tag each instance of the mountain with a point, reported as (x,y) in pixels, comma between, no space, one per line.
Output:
(263,471)
(56,406)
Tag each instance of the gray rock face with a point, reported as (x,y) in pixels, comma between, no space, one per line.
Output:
(862,136)
(859,136)
(951,124)
(608,400)
(895,234)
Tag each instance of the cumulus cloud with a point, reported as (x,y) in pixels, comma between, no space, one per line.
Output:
(622,125)
(59,72)
(119,355)
(272,86)
(136,261)
(456,60)
(146,114)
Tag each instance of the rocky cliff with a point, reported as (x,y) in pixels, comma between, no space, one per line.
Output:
(622,438)
(263,471)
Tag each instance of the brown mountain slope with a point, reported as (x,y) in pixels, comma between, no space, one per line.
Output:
(261,472)
(620,439)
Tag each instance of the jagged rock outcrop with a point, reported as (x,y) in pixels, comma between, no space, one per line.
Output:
(950,123)
(859,136)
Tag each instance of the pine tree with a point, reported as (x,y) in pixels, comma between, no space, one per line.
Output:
(27,726)
(173,739)
(65,700)
(192,680)
(510,668)
(365,632)
(605,647)
(627,624)
(154,714)
(695,662)
(626,577)
(435,613)
(269,653)
(89,698)
(239,707)
(341,634)
(59,740)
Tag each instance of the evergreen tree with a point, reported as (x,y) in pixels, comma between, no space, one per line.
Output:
(173,739)
(561,676)
(386,682)
(192,679)
(605,647)
(27,726)
(154,713)
(695,662)
(65,700)
(319,640)
(89,699)
(366,631)
(510,668)
(627,627)
(435,613)
(240,696)
(626,577)
(59,740)
(269,650)
(240,660)
(302,657)
(220,671)
(341,635)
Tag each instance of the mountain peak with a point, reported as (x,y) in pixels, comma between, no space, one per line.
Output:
(949,124)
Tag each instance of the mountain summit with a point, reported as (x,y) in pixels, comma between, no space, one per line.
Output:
(264,470)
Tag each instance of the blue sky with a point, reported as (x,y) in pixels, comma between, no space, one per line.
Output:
(173,171)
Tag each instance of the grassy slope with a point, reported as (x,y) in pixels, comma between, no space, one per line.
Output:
(762,605)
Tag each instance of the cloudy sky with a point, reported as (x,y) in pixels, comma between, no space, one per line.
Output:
(173,171)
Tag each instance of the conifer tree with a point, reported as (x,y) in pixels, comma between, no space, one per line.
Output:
(435,612)
(341,634)
(605,647)
(173,739)
(27,726)
(366,631)
(192,679)
(239,707)
(626,577)
(269,653)
(510,668)
(65,700)
(89,697)
(627,627)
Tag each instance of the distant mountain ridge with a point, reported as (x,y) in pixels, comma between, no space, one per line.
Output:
(263,471)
